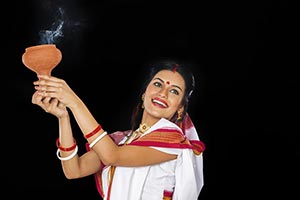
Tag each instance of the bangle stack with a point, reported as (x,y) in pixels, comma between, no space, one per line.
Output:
(71,148)
(74,147)
(98,139)
(68,157)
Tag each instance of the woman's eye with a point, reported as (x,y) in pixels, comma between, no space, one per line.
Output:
(157,84)
(174,91)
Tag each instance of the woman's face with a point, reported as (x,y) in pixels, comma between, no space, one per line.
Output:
(163,95)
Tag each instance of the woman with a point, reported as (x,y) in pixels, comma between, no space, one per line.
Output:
(159,158)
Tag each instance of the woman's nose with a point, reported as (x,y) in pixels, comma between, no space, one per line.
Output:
(163,93)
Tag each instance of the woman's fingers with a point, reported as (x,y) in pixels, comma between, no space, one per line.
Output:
(36,98)
(49,104)
(46,101)
(46,89)
(52,87)
(51,82)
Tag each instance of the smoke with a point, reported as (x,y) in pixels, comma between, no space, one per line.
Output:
(55,33)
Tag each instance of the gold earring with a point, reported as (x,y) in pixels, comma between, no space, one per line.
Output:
(179,114)
(143,97)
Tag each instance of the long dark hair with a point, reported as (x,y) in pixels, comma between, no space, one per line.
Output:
(186,73)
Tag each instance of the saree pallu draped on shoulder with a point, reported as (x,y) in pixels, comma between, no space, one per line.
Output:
(169,138)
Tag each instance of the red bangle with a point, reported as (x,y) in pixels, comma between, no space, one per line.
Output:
(98,128)
(63,148)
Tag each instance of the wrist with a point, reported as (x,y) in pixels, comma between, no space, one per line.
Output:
(77,103)
(64,116)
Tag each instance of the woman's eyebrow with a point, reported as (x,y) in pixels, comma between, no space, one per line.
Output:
(165,82)
(159,79)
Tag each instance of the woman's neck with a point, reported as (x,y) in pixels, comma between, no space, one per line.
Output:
(149,121)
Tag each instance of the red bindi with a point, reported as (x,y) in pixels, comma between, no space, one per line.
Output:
(168,82)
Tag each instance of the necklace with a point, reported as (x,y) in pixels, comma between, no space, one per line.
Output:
(143,128)
(136,134)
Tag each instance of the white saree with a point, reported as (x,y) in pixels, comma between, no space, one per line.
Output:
(179,179)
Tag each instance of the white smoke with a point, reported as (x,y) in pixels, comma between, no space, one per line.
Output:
(52,35)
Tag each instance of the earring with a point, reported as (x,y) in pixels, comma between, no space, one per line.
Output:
(179,114)
(143,97)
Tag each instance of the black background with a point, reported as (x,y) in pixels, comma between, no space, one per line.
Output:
(244,106)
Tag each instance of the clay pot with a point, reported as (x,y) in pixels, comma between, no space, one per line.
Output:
(42,59)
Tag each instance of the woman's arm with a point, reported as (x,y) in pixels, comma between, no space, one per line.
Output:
(105,149)
(75,167)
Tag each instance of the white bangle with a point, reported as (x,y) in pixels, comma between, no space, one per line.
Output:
(68,157)
(97,139)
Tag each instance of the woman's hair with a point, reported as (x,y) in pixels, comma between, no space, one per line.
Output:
(184,70)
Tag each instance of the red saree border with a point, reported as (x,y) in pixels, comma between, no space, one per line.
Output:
(169,138)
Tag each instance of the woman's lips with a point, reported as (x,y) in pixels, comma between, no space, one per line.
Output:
(160,102)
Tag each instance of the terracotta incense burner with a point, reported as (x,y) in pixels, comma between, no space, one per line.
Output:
(42,59)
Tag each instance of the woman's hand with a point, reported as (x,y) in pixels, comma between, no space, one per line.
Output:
(50,105)
(50,87)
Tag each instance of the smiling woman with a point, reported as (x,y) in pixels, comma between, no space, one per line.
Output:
(160,157)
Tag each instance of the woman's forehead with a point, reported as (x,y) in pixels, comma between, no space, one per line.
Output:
(170,77)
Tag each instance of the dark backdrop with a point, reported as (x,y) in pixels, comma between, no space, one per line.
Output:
(244,105)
